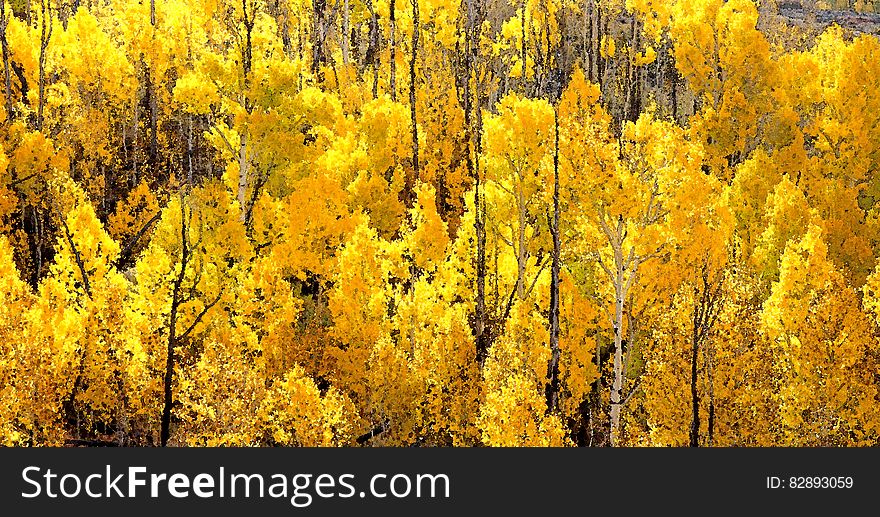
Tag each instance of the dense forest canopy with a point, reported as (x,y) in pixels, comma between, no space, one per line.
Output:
(421,222)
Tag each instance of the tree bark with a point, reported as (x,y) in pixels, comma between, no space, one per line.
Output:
(617,383)
(630,105)
(152,103)
(474,135)
(622,277)
(135,145)
(412,96)
(710,365)
(178,298)
(479,200)
(189,150)
(553,367)
(695,398)
(154,121)
(247,64)
(372,54)
(673,72)
(521,256)
(346,29)
(87,286)
(242,176)
(393,52)
(597,41)
(286,42)
(45,36)
(38,245)
(707,304)
(168,398)
(588,39)
(523,53)
(7,73)
(318,35)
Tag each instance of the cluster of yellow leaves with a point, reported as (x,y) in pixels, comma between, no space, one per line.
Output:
(189,209)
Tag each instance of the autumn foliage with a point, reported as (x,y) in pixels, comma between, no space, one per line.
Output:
(331,223)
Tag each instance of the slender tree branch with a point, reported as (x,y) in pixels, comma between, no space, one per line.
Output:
(129,246)
(201,315)
(76,255)
(632,391)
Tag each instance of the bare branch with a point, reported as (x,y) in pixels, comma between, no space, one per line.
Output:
(126,251)
(632,392)
(201,315)
(77,257)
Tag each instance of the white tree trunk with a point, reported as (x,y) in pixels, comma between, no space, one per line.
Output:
(617,384)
